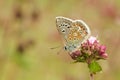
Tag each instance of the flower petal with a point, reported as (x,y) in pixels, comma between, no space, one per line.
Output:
(105,55)
(92,40)
(102,49)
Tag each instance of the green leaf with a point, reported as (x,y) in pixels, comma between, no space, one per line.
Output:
(80,59)
(94,67)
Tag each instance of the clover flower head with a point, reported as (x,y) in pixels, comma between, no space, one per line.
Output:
(90,50)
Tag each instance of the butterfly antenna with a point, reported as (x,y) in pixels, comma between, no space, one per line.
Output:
(55,47)
(61,49)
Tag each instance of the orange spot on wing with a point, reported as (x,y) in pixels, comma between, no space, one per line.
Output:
(74,34)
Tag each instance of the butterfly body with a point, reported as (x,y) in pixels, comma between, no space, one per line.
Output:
(73,32)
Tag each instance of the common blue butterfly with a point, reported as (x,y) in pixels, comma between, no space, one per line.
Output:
(73,32)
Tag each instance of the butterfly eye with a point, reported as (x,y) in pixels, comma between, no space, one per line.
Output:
(65,48)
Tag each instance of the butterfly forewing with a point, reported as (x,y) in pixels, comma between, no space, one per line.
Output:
(63,26)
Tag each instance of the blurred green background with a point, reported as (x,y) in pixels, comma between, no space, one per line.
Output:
(28,31)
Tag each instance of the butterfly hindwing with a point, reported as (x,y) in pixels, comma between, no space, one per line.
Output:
(83,30)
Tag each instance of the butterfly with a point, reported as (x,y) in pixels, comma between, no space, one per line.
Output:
(73,32)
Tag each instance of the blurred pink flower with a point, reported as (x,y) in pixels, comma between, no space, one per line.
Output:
(109,10)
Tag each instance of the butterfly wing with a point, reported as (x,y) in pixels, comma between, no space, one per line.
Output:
(74,32)
(63,25)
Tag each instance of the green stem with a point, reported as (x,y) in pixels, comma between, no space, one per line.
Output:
(91,76)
